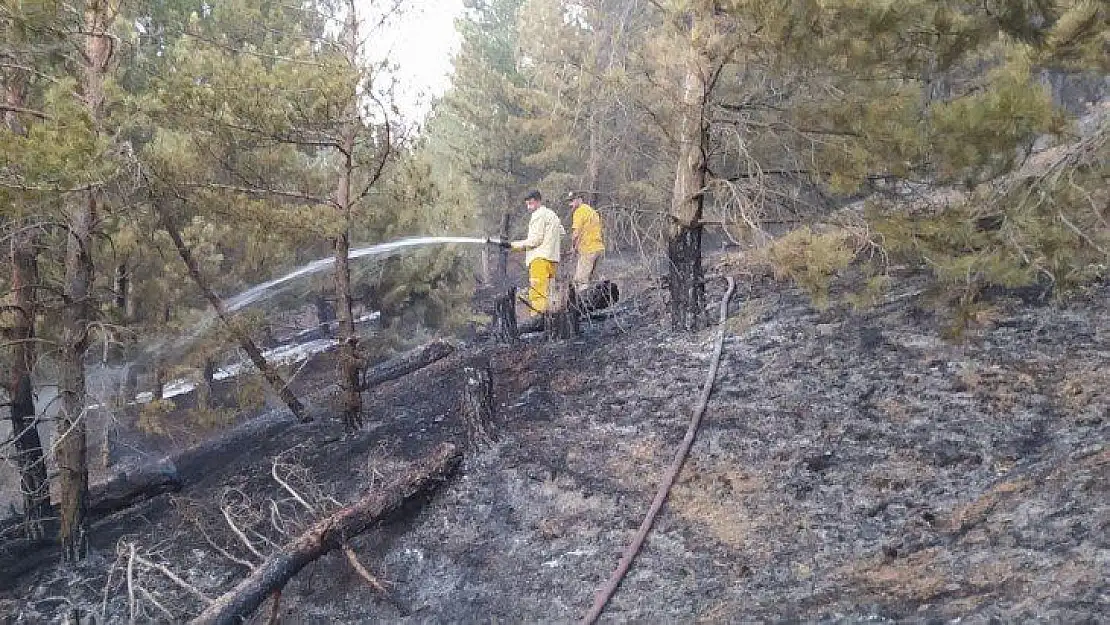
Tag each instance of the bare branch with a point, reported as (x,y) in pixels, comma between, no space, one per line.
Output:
(239,533)
(8,108)
(305,197)
(352,558)
(161,568)
(296,496)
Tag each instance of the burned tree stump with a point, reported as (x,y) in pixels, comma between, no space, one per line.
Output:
(505,328)
(477,403)
(561,321)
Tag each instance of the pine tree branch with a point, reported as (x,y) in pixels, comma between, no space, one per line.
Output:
(30,71)
(254,53)
(320,141)
(30,188)
(8,108)
(296,195)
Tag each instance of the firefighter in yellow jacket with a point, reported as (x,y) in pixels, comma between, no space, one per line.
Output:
(542,250)
(586,237)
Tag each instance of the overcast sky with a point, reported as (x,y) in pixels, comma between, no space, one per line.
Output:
(422,40)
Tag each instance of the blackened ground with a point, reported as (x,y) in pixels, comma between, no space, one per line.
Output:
(851,467)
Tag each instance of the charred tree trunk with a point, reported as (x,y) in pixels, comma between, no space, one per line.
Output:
(502,253)
(158,392)
(72,445)
(686,281)
(348,348)
(477,403)
(123,285)
(273,378)
(28,445)
(504,306)
(327,535)
(349,361)
(505,327)
(206,395)
(561,321)
(25,275)
(325,314)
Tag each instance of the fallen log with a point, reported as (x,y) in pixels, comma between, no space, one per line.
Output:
(405,364)
(597,297)
(327,535)
(135,484)
(197,462)
(131,486)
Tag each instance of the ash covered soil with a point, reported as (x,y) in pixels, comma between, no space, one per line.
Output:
(850,467)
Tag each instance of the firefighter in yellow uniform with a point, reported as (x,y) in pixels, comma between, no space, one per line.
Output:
(586,236)
(542,249)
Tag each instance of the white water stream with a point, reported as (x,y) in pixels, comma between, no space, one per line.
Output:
(288,354)
(265,289)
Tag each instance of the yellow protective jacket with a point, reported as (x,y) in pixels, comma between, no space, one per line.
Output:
(586,225)
(545,237)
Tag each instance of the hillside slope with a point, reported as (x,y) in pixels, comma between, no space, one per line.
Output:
(851,467)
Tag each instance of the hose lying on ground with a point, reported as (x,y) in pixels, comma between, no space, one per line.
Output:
(606,592)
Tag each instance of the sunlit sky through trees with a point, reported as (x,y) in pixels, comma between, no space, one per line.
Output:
(421,39)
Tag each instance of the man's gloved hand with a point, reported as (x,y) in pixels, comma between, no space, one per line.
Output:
(499,243)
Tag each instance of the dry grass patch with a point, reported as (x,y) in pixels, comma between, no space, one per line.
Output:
(1084,389)
(896,411)
(916,578)
(570,382)
(967,516)
(727,502)
(636,464)
(899,473)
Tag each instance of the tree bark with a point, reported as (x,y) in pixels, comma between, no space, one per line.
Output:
(593,159)
(273,378)
(477,403)
(348,341)
(159,389)
(406,364)
(328,535)
(206,396)
(325,314)
(505,327)
(28,445)
(72,445)
(502,253)
(686,280)
(123,285)
(25,275)
(561,320)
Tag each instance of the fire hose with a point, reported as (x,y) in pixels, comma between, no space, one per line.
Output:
(606,592)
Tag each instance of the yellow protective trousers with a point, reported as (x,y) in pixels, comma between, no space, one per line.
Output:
(540,273)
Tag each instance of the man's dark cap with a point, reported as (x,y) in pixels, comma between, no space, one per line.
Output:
(533,195)
(574,195)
